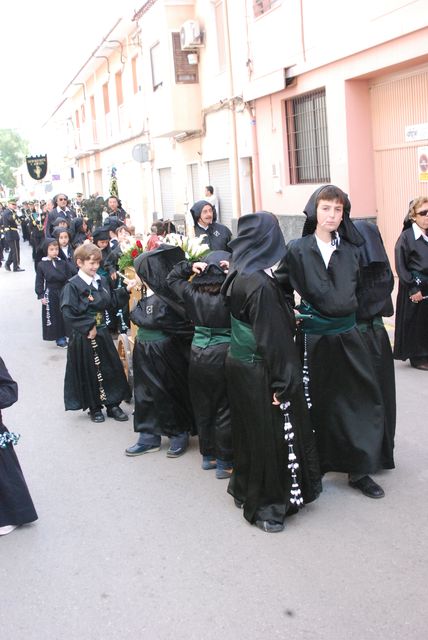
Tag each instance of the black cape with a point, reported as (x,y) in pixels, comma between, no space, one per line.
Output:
(51,277)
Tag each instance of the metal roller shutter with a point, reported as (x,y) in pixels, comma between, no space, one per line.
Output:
(167,195)
(219,177)
(196,186)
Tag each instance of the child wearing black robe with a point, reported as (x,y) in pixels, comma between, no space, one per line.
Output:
(51,276)
(206,308)
(160,359)
(66,251)
(16,505)
(94,374)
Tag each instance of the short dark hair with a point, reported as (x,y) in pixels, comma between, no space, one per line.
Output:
(210,189)
(330,192)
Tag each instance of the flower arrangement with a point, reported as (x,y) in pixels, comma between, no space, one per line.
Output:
(194,248)
(127,258)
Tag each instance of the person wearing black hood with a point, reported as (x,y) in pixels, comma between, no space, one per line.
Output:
(275,460)
(411,263)
(160,359)
(340,382)
(374,304)
(217,235)
(79,230)
(206,308)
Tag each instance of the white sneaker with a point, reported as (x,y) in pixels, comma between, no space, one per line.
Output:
(7,529)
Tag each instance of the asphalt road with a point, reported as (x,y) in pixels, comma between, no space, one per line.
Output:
(154,548)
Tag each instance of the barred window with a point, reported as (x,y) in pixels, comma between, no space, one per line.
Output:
(261,6)
(308,138)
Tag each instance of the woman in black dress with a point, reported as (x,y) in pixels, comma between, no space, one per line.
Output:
(411,263)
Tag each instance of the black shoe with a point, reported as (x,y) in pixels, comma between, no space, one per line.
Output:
(269,526)
(117,414)
(6,266)
(96,415)
(368,487)
(422,366)
(18,269)
(238,503)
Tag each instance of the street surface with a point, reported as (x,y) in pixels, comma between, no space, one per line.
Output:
(153,548)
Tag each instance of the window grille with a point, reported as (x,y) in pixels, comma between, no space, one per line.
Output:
(308,138)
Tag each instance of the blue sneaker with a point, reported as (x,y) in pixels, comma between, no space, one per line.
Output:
(139,449)
(61,342)
(224,469)
(208,462)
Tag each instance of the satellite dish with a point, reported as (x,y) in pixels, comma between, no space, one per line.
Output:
(141,152)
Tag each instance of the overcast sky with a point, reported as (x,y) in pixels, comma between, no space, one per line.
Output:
(43,43)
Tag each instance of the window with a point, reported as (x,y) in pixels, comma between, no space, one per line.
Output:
(221,49)
(184,71)
(261,6)
(119,91)
(308,138)
(134,74)
(156,62)
(106,98)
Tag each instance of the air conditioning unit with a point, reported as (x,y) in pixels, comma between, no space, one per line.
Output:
(190,35)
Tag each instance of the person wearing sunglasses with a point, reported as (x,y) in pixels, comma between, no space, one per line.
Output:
(60,210)
(411,263)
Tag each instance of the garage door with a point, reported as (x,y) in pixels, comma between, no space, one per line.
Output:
(219,178)
(167,194)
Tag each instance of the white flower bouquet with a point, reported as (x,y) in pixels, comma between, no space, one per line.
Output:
(194,248)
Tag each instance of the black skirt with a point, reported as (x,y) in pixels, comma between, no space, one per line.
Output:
(411,326)
(52,321)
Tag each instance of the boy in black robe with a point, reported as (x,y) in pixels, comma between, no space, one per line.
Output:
(342,391)
(94,375)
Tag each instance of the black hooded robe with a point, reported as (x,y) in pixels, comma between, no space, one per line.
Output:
(207,378)
(411,319)
(16,505)
(347,408)
(374,303)
(161,391)
(217,235)
(51,277)
(94,374)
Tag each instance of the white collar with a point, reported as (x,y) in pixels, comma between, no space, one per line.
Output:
(87,278)
(202,227)
(418,232)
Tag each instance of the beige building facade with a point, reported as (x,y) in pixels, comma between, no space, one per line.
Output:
(263,99)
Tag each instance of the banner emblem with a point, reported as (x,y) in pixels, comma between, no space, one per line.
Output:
(37,166)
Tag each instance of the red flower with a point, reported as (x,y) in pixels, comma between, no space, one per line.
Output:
(134,253)
(138,243)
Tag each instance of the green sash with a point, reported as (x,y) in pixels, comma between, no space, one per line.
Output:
(243,343)
(206,337)
(324,325)
(150,335)
(365,325)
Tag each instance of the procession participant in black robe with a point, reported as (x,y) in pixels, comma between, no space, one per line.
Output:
(10,227)
(66,251)
(347,409)
(52,274)
(120,322)
(217,235)
(79,230)
(37,236)
(275,459)
(411,263)
(16,505)
(206,308)
(160,359)
(374,304)
(94,374)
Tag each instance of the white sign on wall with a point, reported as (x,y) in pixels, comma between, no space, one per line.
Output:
(416,132)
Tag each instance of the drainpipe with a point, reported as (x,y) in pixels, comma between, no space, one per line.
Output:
(234,160)
(256,164)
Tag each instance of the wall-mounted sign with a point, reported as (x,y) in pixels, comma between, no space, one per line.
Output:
(423,164)
(416,132)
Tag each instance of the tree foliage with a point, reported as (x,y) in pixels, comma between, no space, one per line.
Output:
(13,149)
